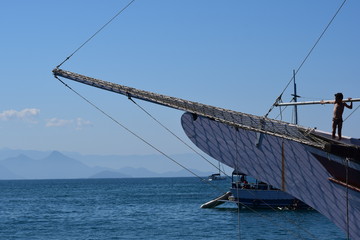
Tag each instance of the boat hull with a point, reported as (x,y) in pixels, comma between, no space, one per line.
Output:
(265,199)
(284,164)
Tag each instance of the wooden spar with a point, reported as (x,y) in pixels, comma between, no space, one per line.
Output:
(315,102)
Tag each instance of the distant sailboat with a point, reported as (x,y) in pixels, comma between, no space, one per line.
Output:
(217,176)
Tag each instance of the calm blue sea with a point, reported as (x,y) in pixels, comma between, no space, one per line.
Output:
(149,208)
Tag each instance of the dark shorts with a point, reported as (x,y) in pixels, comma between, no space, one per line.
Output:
(337,121)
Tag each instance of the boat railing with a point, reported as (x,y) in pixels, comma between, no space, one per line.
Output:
(255,186)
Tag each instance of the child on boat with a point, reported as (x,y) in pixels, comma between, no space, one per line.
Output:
(338,112)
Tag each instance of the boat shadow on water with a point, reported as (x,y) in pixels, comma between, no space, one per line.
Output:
(261,210)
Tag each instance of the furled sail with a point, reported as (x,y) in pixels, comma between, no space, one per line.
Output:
(236,119)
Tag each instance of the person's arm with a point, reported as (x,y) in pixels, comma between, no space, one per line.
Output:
(349,106)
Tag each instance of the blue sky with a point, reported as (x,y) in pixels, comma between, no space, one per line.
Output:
(233,54)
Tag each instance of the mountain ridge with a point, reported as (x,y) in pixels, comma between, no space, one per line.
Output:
(56,165)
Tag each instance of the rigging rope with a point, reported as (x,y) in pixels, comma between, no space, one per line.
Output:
(127,129)
(139,137)
(170,158)
(347,198)
(237,168)
(235,162)
(307,56)
(181,140)
(106,24)
(236,183)
(351,113)
(240,204)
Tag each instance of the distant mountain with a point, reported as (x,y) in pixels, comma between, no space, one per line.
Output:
(56,165)
(22,166)
(152,162)
(34,154)
(7,174)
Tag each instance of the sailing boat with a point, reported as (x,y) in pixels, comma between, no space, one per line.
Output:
(306,163)
(217,176)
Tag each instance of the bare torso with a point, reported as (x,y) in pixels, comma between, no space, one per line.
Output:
(338,110)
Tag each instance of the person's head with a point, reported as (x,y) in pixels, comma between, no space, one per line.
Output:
(339,96)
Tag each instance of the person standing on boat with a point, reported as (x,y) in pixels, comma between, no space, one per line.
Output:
(338,112)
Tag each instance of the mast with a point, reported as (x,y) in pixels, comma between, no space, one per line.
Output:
(295,100)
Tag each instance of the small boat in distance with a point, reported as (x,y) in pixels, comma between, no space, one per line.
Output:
(216,176)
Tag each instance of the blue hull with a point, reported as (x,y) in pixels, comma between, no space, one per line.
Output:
(266,199)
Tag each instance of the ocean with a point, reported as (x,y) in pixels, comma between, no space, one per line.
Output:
(143,208)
